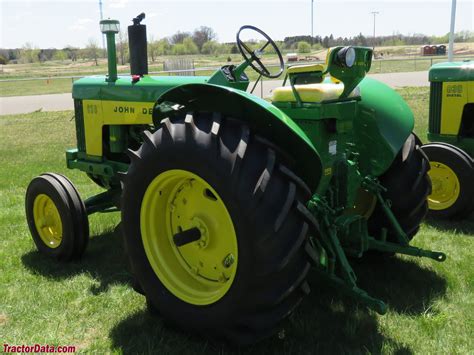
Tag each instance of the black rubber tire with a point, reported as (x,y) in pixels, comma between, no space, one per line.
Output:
(266,203)
(461,164)
(72,212)
(408,186)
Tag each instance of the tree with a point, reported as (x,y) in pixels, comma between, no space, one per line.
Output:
(71,52)
(60,55)
(29,53)
(122,46)
(304,47)
(202,35)
(178,49)
(189,46)
(163,46)
(210,47)
(179,37)
(152,48)
(92,50)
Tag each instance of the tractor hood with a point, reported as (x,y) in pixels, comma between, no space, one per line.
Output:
(147,89)
(452,71)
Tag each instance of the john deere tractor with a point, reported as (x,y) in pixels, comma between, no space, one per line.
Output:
(451,129)
(227,200)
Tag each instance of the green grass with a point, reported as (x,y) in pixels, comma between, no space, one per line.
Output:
(90,304)
(35,87)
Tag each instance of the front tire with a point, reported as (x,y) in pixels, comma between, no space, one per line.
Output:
(56,217)
(452,176)
(227,185)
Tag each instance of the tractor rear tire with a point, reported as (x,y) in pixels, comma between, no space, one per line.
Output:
(56,217)
(202,171)
(408,186)
(452,175)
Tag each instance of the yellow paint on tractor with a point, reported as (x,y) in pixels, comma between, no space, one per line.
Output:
(98,113)
(456,94)
(200,272)
(47,221)
(446,186)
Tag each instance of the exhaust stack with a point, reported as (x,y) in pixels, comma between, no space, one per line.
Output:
(111,28)
(138,46)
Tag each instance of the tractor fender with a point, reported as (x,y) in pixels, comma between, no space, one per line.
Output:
(384,123)
(262,117)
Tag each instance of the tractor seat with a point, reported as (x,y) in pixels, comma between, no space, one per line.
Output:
(308,92)
(305,68)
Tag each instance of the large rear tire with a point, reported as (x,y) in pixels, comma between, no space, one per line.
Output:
(452,175)
(215,228)
(408,186)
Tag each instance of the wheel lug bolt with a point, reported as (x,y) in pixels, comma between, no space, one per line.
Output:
(228,260)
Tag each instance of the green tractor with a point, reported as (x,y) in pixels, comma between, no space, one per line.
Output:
(451,129)
(227,200)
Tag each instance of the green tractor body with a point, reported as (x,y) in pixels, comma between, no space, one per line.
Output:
(227,198)
(451,129)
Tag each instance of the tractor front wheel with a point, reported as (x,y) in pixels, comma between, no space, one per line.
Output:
(57,217)
(452,178)
(215,228)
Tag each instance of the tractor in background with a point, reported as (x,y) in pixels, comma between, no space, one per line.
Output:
(228,200)
(451,131)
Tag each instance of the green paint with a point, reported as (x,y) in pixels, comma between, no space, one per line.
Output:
(112,57)
(352,76)
(263,117)
(383,124)
(452,71)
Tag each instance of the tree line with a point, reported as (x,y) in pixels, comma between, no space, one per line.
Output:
(203,40)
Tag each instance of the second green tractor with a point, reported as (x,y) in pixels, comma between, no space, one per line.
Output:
(451,131)
(228,200)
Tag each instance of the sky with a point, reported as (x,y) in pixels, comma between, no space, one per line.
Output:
(59,23)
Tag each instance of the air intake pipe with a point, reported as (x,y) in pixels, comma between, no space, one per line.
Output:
(138,46)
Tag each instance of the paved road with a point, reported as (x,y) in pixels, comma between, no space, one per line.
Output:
(58,102)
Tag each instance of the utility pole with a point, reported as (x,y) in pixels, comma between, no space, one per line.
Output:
(373,43)
(451,31)
(312,22)
(101,18)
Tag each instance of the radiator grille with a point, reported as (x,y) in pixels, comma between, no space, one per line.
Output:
(80,135)
(436,90)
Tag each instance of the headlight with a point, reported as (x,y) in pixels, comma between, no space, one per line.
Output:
(346,56)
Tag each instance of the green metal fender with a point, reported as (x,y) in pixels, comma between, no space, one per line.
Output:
(262,117)
(383,125)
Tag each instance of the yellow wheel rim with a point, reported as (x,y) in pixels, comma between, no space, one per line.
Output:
(445,186)
(47,221)
(200,272)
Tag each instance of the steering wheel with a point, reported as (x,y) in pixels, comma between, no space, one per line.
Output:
(253,57)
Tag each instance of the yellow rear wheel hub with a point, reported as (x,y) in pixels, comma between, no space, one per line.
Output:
(47,221)
(445,186)
(200,272)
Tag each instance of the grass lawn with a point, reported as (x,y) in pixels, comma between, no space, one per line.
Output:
(90,304)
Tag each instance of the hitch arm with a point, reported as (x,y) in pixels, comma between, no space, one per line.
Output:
(406,249)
